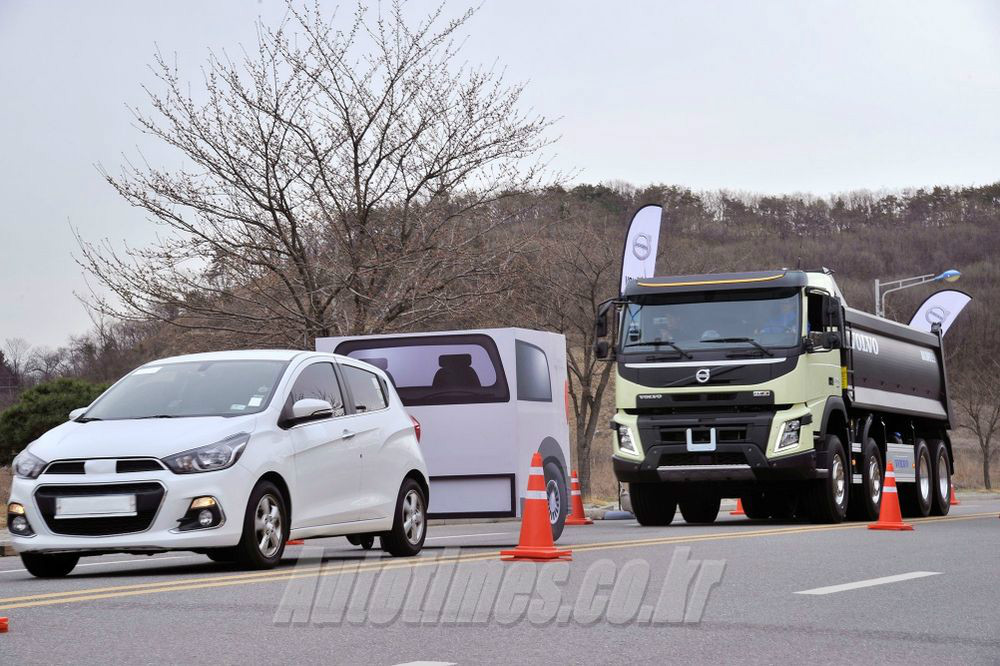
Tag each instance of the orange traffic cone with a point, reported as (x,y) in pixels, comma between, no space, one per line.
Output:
(535,543)
(3,625)
(954,498)
(739,508)
(890,517)
(578,517)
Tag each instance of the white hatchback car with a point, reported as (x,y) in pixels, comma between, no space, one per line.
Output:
(229,454)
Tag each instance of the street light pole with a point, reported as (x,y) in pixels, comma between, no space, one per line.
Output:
(883,289)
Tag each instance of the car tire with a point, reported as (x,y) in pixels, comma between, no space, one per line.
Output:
(652,503)
(866,503)
(701,510)
(557,492)
(366,541)
(828,498)
(755,506)
(942,478)
(409,523)
(49,565)
(915,498)
(265,528)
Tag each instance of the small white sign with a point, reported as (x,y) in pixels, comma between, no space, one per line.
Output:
(95,506)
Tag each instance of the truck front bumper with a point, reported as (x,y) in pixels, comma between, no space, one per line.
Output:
(729,462)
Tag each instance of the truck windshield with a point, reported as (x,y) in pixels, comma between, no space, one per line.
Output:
(697,323)
(202,388)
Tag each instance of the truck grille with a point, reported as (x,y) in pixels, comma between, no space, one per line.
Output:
(727,434)
(148,497)
(715,458)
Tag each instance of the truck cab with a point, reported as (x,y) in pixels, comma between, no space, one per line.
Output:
(743,385)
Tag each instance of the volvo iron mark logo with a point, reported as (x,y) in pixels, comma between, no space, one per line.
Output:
(703,375)
(642,246)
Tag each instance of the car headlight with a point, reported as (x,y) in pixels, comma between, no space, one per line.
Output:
(209,458)
(28,466)
(788,438)
(625,441)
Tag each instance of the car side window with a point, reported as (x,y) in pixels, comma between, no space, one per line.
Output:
(318,381)
(533,381)
(366,388)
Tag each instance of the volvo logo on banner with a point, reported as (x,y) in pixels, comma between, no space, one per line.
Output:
(639,256)
(942,308)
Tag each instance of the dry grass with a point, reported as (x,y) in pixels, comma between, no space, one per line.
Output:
(5,476)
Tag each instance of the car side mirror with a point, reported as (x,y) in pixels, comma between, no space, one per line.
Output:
(77,413)
(311,408)
(601,349)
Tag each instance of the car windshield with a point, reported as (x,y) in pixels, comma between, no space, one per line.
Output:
(200,388)
(713,321)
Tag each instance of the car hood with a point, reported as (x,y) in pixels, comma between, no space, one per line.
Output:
(154,438)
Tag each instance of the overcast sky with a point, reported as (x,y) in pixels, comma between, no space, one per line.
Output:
(767,96)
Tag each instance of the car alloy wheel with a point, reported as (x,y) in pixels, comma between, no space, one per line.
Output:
(268,529)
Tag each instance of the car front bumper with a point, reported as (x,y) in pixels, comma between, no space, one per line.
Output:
(230,488)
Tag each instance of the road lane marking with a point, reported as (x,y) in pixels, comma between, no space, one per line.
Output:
(871,582)
(330,569)
(132,561)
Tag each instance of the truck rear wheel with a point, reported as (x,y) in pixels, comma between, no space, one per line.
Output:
(915,498)
(827,499)
(867,502)
(700,509)
(652,503)
(942,478)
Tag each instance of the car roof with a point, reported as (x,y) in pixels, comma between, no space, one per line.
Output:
(235,355)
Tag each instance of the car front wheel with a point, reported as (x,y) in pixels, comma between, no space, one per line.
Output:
(49,565)
(265,528)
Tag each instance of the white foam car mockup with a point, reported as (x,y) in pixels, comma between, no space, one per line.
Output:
(227,454)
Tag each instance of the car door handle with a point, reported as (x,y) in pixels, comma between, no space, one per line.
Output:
(347,434)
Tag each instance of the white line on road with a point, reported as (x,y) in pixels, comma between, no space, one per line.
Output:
(98,564)
(466,536)
(428,663)
(871,582)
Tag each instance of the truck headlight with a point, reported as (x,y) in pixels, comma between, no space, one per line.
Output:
(788,438)
(209,458)
(625,440)
(28,466)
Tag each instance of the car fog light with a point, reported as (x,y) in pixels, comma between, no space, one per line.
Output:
(19,525)
(205,518)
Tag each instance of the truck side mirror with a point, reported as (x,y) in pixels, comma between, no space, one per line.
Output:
(823,341)
(601,349)
(601,322)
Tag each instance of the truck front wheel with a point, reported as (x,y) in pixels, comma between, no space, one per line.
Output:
(700,509)
(652,503)
(828,497)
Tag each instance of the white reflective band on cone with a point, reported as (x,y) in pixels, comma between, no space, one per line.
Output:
(536,495)
(890,475)
(575,492)
(535,470)
(889,490)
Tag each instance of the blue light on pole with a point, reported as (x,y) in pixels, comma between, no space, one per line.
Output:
(950,275)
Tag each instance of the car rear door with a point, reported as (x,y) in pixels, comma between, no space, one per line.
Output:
(371,425)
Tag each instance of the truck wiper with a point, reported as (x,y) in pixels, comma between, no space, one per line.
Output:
(659,343)
(749,340)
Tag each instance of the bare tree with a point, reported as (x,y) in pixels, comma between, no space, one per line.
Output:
(17,354)
(978,402)
(342,177)
(573,270)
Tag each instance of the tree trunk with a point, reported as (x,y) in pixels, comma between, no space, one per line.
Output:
(986,470)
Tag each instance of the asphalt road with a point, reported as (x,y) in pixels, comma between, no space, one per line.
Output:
(749,592)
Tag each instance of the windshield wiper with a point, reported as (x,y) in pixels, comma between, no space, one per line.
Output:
(659,343)
(749,340)
(88,419)
(156,416)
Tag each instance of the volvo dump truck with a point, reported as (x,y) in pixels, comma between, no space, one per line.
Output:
(765,386)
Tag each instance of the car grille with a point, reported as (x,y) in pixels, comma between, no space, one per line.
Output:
(148,497)
(122,466)
(66,467)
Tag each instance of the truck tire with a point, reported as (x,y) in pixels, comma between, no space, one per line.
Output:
(556,490)
(942,478)
(866,502)
(915,498)
(827,498)
(700,509)
(755,506)
(652,503)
